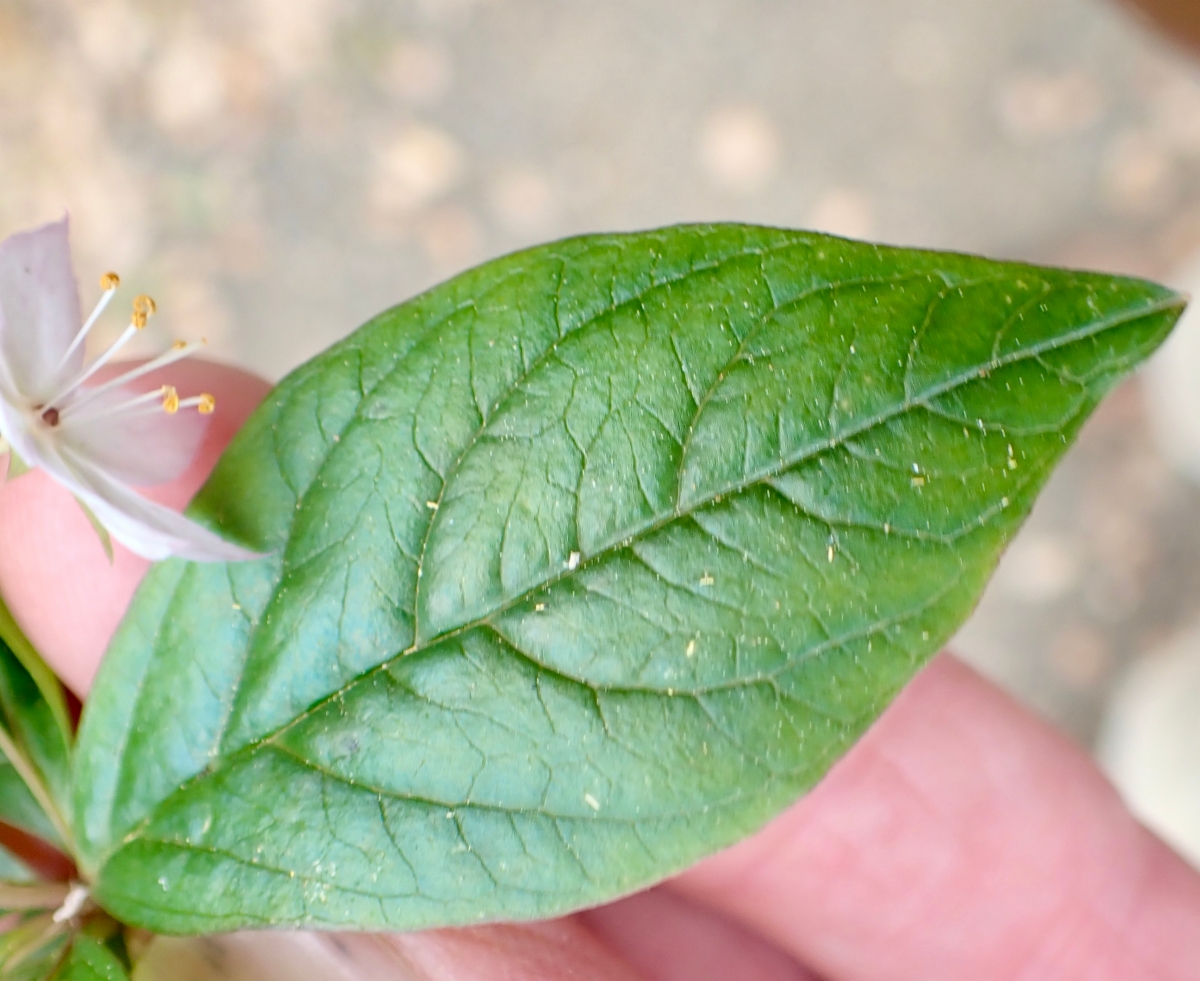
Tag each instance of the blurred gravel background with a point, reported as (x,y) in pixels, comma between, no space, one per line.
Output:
(275,171)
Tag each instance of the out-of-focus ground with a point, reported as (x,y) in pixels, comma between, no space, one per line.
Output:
(276,171)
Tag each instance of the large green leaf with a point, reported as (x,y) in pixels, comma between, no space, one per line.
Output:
(586,563)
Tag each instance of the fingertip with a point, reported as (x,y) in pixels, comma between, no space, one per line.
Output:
(961,837)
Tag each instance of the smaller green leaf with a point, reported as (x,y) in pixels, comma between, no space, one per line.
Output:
(90,960)
(43,676)
(31,950)
(35,749)
(20,808)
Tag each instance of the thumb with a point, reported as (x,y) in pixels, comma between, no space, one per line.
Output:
(54,575)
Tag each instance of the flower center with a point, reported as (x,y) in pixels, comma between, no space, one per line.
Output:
(74,403)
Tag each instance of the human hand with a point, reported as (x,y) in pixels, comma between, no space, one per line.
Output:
(961,838)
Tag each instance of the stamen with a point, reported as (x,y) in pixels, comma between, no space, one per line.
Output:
(205,404)
(100,362)
(152,401)
(143,308)
(109,283)
(178,351)
(170,400)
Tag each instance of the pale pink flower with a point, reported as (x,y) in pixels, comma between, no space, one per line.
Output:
(94,439)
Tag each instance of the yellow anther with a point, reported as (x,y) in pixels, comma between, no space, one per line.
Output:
(178,345)
(143,307)
(206,405)
(110,281)
(170,400)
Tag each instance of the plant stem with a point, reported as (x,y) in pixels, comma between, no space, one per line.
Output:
(42,895)
(41,930)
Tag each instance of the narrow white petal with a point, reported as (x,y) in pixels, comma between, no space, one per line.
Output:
(144,527)
(39,309)
(142,448)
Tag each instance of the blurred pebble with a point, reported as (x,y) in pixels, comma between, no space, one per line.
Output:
(1081,656)
(1041,105)
(451,237)
(843,211)
(114,36)
(739,149)
(523,200)
(187,93)
(1038,568)
(417,166)
(417,72)
(1138,174)
(294,35)
(1175,115)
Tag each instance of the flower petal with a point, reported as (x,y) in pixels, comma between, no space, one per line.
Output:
(147,449)
(39,309)
(142,526)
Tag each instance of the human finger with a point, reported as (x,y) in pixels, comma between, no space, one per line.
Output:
(962,837)
(667,937)
(554,950)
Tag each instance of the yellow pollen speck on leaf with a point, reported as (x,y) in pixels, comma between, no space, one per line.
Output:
(207,405)
(110,281)
(170,401)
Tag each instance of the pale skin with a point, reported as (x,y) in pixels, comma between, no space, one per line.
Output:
(961,838)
